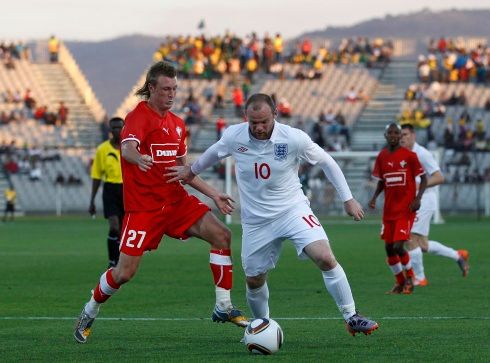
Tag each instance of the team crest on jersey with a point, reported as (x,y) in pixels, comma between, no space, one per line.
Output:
(280,151)
(403,163)
(179,131)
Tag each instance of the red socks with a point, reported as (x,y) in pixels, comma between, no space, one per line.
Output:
(222,268)
(106,287)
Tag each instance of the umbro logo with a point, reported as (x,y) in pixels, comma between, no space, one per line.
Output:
(242,149)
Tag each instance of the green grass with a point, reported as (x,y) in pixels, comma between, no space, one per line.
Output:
(49,265)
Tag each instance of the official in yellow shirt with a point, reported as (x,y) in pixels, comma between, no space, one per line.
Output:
(107,168)
(10,197)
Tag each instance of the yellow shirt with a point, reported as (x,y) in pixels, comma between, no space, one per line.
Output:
(107,164)
(10,195)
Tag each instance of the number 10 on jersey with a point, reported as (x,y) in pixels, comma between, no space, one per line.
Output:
(262,171)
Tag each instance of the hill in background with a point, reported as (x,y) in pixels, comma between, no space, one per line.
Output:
(421,24)
(113,66)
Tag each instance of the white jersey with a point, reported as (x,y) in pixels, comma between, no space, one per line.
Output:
(267,170)
(430,166)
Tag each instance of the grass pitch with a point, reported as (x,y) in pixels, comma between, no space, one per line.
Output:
(49,265)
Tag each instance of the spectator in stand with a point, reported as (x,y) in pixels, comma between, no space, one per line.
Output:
(11,166)
(278,47)
(487,104)
(238,101)
(62,113)
(251,67)
(40,113)
(53,48)
(29,101)
(35,174)
(284,108)
(344,129)
(220,126)
(480,136)
(220,95)
(362,96)
(60,179)
(246,87)
(317,133)
(449,134)
(351,96)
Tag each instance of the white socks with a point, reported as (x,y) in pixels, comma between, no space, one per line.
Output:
(92,308)
(416,256)
(258,301)
(339,288)
(223,299)
(437,248)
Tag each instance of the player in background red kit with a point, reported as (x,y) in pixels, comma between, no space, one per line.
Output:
(396,169)
(153,139)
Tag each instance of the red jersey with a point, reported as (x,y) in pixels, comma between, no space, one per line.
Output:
(397,170)
(163,138)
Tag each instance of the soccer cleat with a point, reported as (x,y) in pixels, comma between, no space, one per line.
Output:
(423,282)
(397,289)
(82,328)
(231,315)
(359,324)
(408,287)
(463,264)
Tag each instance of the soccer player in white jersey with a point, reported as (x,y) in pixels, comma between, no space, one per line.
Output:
(274,207)
(419,239)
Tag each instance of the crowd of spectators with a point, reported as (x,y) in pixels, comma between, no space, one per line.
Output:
(330,131)
(31,161)
(427,107)
(212,57)
(17,107)
(9,52)
(449,61)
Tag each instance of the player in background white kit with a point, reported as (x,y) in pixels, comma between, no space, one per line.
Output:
(274,207)
(419,241)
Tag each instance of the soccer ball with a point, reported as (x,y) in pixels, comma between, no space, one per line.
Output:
(263,336)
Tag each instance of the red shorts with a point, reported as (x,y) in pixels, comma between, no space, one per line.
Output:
(397,230)
(143,231)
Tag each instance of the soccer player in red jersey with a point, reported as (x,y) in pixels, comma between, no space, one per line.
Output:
(396,169)
(153,139)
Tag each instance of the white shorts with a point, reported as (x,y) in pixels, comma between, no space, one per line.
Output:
(421,225)
(262,244)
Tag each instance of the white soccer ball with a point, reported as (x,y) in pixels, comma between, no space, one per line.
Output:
(263,336)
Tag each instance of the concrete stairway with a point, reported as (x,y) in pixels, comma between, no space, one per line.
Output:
(384,106)
(82,128)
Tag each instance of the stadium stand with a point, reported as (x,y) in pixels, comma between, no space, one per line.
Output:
(311,80)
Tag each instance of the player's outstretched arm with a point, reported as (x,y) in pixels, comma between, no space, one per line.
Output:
(223,201)
(354,209)
(179,173)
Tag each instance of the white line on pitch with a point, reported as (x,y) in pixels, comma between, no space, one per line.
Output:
(292,318)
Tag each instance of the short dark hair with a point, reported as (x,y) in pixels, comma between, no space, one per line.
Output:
(392,124)
(261,98)
(114,120)
(408,127)
(158,69)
